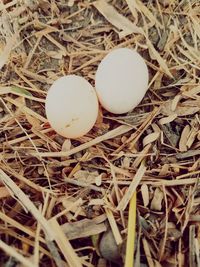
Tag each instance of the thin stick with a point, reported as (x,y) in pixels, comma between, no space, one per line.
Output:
(130,244)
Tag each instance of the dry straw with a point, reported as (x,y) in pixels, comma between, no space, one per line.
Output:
(59,198)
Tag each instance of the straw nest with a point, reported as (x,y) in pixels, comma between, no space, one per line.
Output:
(65,202)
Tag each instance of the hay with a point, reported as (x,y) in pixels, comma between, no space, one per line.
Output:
(59,198)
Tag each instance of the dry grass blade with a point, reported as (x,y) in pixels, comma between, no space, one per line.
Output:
(24,179)
(132,187)
(13,253)
(160,60)
(64,245)
(132,7)
(147,253)
(26,203)
(192,256)
(19,226)
(25,109)
(111,134)
(136,135)
(4,55)
(130,243)
(114,227)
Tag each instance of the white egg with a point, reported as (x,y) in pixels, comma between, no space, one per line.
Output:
(71,106)
(121,80)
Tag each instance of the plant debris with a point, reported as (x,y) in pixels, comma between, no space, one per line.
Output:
(65,202)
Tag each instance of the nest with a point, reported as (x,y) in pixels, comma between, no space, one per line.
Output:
(74,202)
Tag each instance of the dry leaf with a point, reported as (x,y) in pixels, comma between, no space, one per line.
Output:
(160,60)
(66,146)
(145,194)
(190,92)
(198,136)
(116,19)
(168,119)
(55,54)
(34,122)
(150,138)
(156,203)
(151,17)
(5,54)
(132,7)
(164,170)
(98,201)
(83,228)
(184,138)
(5,90)
(142,154)
(191,137)
(72,205)
(182,109)
(98,180)
(86,176)
(188,154)
(175,102)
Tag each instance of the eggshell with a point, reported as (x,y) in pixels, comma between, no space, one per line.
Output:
(71,106)
(121,80)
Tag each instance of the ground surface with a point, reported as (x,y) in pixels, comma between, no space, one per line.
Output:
(58,197)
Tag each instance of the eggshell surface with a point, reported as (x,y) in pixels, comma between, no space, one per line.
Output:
(121,80)
(71,106)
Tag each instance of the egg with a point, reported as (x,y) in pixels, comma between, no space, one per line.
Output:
(121,80)
(71,106)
